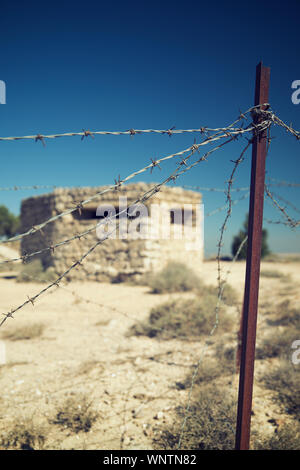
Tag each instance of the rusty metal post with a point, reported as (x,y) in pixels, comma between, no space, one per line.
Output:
(259,151)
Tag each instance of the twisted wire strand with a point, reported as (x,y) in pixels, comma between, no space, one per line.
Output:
(87,133)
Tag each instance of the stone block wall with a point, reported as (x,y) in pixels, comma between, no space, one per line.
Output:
(115,259)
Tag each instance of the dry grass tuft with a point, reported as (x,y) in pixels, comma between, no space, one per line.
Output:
(23,436)
(277,344)
(25,332)
(284,315)
(184,318)
(286,438)
(210,424)
(175,277)
(76,414)
(285,381)
(272,274)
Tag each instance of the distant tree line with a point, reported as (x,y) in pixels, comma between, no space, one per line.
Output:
(237,240)
(9,223)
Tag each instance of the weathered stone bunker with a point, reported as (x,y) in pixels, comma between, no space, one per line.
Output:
(154,235)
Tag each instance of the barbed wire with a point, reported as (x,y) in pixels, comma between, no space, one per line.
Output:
(289,220)
(153,164)
(221,283)
(183,162)
(288,128)
(288,203)
(258,128)
(181,168)
(107,220)
(131,132)
(219,190)
(102,305)
(148,194)
(25,188)
(26,256)
(236,162)
(280,183)
(233,203)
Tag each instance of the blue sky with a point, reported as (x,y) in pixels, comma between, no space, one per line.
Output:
(73,65)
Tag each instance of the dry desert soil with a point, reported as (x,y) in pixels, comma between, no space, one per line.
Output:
(84,348)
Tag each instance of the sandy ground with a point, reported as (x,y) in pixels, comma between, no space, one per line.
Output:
(85,348)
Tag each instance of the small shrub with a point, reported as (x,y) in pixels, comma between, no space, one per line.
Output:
(277,344)
(24,332)
(229,295)
(175,277)
(183,318)
(76,414)
(285,381)
(222,364)
(285,438)
(285,315)
(237,240)
(210,424)
(272,274)
(23,436)
(34,272)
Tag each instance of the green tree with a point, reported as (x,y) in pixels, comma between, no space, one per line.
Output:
(9,223)
(237,240)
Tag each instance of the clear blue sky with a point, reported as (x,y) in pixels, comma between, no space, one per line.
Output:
(74,65)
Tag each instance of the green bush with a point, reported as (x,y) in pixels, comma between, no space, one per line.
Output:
(240,237)
(9,223)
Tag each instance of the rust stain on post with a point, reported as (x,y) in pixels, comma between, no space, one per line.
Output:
(249,320)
